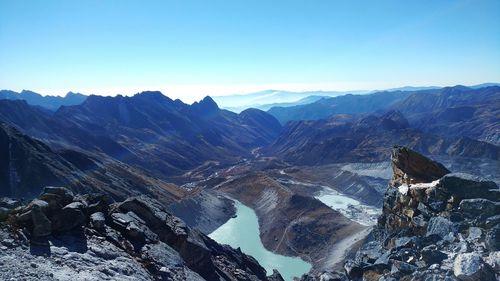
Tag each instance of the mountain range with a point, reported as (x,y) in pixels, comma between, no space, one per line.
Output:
(49,102)
(149,130)
(129,170)
(386,100)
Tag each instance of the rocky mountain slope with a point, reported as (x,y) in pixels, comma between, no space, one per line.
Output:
(48,102)
(348,138)
(28,164)
(435,225)
(60,235)
(148,130)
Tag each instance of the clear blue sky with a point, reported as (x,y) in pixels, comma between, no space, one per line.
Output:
(193,48)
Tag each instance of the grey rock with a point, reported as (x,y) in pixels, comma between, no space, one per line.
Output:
(69,217)
(42,226)
(471,267)
(9,203)
(474,233)
(56,197)
(492,221)
(492,239)
(404,242)
(479,206)
(467,183)
(98,221)
(439,226)
(403,267)
(494,260)
(426,211)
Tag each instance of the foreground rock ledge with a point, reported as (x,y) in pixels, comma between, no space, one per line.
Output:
(86,237)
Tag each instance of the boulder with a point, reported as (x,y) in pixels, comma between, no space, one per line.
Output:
(42,226)
(479,207)
(471,267)
(69,217)
(97,221)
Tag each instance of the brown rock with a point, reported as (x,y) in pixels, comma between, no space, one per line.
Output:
(411,167)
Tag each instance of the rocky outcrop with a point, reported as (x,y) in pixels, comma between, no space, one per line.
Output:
(410,167)
(138,237)
(435,225)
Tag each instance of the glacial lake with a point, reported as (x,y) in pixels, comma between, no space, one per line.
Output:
(243,231)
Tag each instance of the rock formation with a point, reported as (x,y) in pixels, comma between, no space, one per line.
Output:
(89,238)
(435,225)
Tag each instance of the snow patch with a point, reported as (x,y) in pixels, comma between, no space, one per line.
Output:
(403,189)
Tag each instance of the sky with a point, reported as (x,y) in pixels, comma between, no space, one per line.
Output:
(190,49)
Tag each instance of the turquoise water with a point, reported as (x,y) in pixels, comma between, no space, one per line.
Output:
(243,232)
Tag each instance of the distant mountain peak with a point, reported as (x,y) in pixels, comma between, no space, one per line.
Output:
(205,106)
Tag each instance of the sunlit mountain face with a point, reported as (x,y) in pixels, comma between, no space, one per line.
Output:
(232,140)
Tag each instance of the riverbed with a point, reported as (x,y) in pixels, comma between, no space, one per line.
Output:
(243,231)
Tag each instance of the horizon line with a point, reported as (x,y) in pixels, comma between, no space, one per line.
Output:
(250,89)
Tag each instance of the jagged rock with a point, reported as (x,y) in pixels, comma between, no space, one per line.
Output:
(399,266)
(440,226)
(471,267)
(411,167)
(371,251)
(98,221)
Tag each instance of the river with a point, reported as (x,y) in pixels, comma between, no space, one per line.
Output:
(243,231)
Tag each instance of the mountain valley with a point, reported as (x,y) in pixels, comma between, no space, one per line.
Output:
(317,187)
